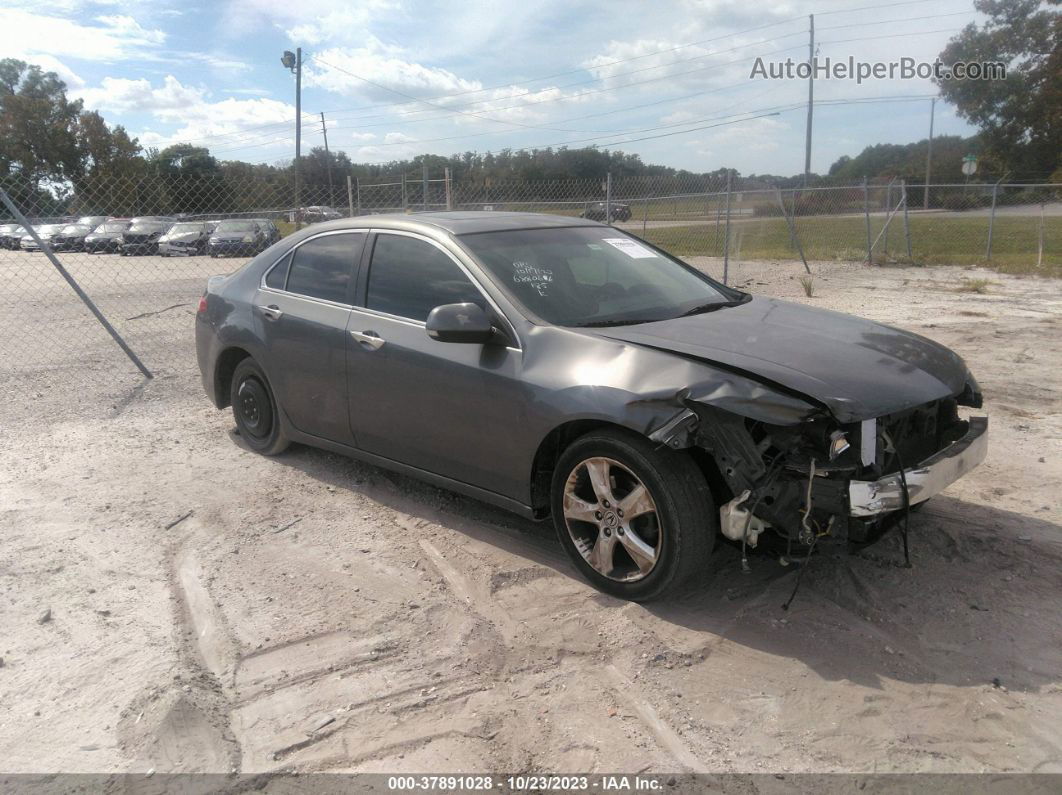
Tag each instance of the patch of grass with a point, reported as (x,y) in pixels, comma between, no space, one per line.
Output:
(936,239)
(808,283)
(979,286)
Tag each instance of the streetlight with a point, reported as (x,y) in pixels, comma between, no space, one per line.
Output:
(293,62)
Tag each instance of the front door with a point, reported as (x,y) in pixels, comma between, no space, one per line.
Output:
(442,407)
(303,311)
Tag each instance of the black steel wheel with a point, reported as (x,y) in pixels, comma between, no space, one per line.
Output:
(255,409)
(637,519)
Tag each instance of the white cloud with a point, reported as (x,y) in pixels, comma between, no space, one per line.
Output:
(335,69)
(139,96)
(312,22)
(114,38)
(227,123)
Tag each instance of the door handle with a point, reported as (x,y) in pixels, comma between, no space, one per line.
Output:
(370,338)
(271,312)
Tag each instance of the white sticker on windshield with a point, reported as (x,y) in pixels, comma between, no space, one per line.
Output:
(631,248)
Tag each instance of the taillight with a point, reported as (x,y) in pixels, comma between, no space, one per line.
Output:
(202,305)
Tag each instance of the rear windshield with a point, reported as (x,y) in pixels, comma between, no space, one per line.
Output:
(237,226)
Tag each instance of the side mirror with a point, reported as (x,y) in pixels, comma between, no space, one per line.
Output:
(460,323)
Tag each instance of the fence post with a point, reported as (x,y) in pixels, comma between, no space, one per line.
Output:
(991,223)
(47,249)
(350,196)
(791,223)
(888,209)
(906,220)
(726,232)
(357,195)
(424,187)
(1040,247)
(608,198)
(405,201)
(866,215)
(645,217)
(449,195)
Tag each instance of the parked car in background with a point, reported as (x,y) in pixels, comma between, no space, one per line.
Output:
(142,236)
(92,220)
(316,213)
(616,212)
(237,236)
(272,234)
(563,368)
(44,231)
(107,237)
(11,235)
(71,237)
(185,238)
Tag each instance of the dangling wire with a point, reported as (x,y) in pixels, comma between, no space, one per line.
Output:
(806,524)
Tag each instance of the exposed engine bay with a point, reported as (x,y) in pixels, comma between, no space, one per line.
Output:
(818,477)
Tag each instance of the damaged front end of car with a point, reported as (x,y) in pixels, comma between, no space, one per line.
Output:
(790,468)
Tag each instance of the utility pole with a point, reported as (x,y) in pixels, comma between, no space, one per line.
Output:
(811,98)
(929,153)
(293,62)
(328,158)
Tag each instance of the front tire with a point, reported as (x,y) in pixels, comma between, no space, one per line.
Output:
(255,409)
(637,519)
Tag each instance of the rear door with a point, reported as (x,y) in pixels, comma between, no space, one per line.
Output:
(302,310)
(447,408)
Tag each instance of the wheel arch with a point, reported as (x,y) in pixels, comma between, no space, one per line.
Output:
(557,440)
(225,366)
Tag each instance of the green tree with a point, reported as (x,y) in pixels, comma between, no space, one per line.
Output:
(1020,117)
(38,125)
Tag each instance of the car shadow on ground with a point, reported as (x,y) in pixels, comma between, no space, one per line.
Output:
(980,605)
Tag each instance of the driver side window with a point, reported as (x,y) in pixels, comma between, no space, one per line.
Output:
(410,277)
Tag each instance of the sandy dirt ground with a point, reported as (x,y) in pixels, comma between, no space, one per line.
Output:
(312,613)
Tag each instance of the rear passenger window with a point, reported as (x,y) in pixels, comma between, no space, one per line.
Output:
(322,267)
(409,278)
(278,276)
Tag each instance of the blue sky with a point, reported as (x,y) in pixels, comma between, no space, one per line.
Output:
(396,78)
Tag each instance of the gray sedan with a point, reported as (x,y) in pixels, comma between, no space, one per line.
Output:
(561,368)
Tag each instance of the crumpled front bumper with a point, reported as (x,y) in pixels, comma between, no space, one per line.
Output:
(874,497)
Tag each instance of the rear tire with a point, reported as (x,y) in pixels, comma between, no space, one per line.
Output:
(637,519)
(255,409)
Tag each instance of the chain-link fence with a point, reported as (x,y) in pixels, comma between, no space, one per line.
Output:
(142,250)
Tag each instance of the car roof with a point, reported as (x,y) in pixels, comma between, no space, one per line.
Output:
(457,222)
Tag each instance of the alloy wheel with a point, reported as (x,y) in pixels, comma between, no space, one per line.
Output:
(612,519)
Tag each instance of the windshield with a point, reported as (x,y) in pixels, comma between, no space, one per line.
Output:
(237,226)
(76,229)
(116,227)
(587,276)
(187,228)
(147,226)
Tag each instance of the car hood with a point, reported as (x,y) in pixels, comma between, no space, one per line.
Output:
(183,237)
(104,235)
(857,368)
